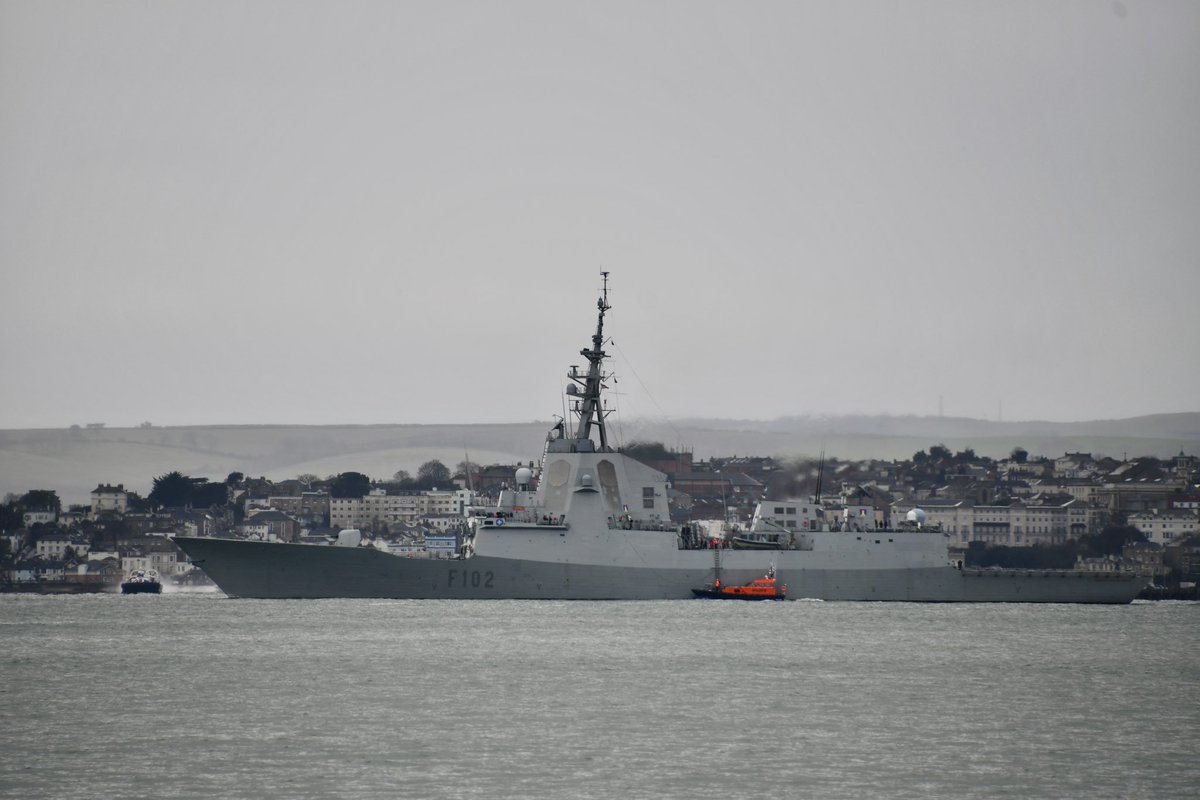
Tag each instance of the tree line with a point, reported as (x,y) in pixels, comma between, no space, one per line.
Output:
(1110,541)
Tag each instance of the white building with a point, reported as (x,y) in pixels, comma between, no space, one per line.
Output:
(453,502)
(53,546)
(166,563)
(442,522)
(955,517)
(379,508)
(35,517)
(107,498)
(1074,465)
(1166,527)
(1044,521)
(376,508)
(441,544)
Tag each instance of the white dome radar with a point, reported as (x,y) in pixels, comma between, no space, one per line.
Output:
(524,476)
(917,515)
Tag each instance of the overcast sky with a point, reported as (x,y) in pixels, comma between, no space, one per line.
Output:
(397,212)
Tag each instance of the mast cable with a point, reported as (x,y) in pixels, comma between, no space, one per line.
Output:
(663,414)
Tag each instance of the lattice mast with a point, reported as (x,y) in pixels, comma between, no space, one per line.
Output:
(587,405)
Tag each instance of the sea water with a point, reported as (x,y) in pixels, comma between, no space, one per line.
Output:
(198,695)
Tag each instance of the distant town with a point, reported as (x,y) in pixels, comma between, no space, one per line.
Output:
(1072,511)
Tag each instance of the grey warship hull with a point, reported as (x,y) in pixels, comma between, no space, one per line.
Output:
(274,570)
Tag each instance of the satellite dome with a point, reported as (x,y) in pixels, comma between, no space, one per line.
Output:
(572,389)
(524,476)
(917,515)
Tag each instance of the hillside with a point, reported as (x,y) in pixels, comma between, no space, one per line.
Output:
(74,461)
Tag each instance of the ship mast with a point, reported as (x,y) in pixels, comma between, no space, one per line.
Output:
(587,387)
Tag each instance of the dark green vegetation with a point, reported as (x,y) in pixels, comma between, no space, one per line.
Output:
(1110,541)
(642,450)
(349,484)
(176,490)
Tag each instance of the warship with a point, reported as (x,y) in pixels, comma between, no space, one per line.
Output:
(594,524)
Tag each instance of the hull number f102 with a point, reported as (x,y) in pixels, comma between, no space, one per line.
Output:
(469,578)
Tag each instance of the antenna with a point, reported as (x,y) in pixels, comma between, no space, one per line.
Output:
(563,396)
(467,469)
(820,476)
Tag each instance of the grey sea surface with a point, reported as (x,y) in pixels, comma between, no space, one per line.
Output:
(197,695)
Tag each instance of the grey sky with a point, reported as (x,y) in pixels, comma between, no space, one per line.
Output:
(355,212)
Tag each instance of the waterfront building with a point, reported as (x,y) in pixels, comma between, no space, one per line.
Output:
(54,545)
(270,526)
(1019,523)
(154,552)
(374,510)
(1166,527)
(1144,558)
(447,502)
(105,570)
(1186,501)
(21,572)
(442,522)
(310,508)
(443,545)
(1085,490)
(1074,465)
(378,508)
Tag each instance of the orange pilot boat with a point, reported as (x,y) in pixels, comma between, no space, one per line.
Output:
(764,588)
